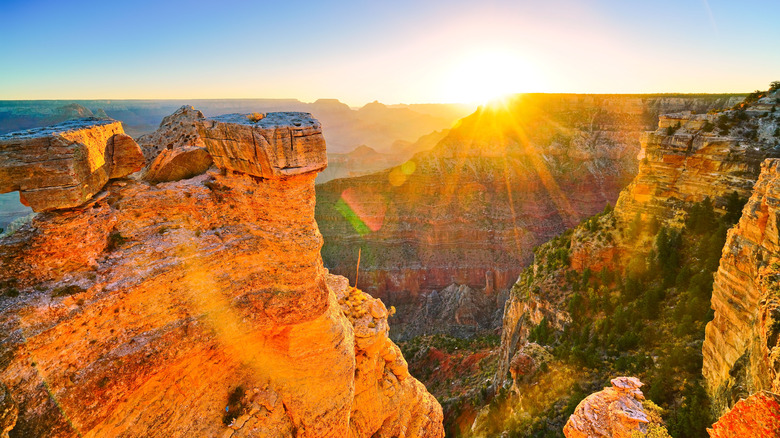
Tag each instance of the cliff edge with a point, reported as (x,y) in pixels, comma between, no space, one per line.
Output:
(199,307)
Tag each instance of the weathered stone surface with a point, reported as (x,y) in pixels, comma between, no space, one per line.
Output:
(757,416)
(8,412)
(456,310)
(615,412)
(177,164)
(64,165)
(689,165)
(176,131)
(741,348)
(175,151)
(278,144)
(388,401)
(125,158)
(152,309)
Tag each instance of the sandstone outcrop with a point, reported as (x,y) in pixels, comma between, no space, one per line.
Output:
(676,169)
(742,348)
(615,412)
(64,165)
(268,145)
(687,165)
(470,210)
(175,151)
(757,416)
(197,308)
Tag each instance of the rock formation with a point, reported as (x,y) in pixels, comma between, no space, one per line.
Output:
(458,311)
(615,412)
(470,210)
(175,151)
(742,348)
(199,308)
(677,168)
(687,164)
(273,145)
(757,416)
(64,165)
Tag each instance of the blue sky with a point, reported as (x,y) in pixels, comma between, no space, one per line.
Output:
(401,51)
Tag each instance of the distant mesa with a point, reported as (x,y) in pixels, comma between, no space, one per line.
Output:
(64,165)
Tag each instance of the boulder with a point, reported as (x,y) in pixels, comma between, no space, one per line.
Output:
(175,151)
(268,146)
(177,164)
(176,131)
(64,165)
(614,412)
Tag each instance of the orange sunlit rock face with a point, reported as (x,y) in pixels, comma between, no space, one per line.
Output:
(741,348)
(196,308)
(616,412)
(757,416)
(687,166)
(64,165)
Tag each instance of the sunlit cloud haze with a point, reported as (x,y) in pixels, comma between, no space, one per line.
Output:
(401,51)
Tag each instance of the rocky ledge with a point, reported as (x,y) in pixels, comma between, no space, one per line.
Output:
(199,307)
(64,165)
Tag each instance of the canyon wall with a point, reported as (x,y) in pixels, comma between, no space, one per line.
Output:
(741,348)
(678,167)
(469,211)
(199,307)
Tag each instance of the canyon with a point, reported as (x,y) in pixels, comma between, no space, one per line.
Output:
(178,284)
(197,307)
(500,183)
(590,290)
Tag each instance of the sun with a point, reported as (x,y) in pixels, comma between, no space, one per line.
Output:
(484,75)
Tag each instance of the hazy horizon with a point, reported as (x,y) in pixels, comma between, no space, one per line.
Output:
(437,52)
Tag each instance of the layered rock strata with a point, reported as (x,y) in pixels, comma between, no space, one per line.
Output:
(676,169)
(686,164)
(742,344)
(615,412)
(197,308)
(64,165)
(470,210)
(265,145)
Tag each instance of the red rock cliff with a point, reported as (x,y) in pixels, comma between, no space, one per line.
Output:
(200,308)
(741,348)
(470,210)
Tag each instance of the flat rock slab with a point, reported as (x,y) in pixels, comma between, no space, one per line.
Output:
(278,144)
(64,165)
